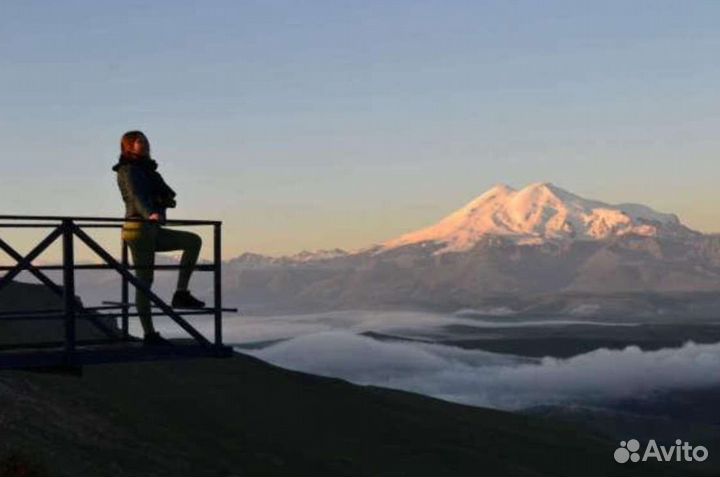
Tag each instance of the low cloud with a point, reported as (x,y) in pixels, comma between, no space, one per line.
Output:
(495,380)
(331,344)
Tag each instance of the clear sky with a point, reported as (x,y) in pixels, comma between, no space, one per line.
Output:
(319,124)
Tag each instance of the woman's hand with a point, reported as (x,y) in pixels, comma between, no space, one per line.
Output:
(158,218)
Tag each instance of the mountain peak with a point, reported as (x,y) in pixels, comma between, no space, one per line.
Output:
(538,212)
(548,188)
(500,187)
(540,185)
(498,190)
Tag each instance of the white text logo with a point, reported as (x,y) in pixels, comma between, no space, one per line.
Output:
(680,452)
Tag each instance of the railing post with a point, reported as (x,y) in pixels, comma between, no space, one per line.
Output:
(125,291)
(217,282)
(69,286)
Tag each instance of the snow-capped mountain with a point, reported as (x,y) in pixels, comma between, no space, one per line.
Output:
(540,249)
(539,212)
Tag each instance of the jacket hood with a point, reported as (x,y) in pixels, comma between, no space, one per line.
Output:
(145,162)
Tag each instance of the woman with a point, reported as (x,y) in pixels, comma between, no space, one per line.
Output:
(146,196)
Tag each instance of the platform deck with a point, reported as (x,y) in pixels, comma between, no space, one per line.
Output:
(46,355)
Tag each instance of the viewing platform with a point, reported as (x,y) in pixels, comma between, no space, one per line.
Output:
(116,344)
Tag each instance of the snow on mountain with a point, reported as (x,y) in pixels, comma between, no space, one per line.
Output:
(537,213)
(587,258)
(322,254)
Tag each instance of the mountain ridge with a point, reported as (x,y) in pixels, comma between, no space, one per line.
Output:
(537,241)
(494,270)
(539,212)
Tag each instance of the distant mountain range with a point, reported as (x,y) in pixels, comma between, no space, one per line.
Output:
(537,249)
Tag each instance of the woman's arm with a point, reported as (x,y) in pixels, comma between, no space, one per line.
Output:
(166,194)
(139,191)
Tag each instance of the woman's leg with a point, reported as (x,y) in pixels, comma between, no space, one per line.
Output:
(142,249)
(189,242)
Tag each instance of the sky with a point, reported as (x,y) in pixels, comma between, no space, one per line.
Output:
(321,124)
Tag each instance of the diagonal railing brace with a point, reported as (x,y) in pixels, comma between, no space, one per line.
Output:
(140,286)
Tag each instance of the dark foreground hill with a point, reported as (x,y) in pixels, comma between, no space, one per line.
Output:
(242,416)
(20,296)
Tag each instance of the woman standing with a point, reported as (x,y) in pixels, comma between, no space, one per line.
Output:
(146,196)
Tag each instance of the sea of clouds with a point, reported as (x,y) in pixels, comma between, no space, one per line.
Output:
(331,344)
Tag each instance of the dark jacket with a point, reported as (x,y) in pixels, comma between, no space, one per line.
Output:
(143,188)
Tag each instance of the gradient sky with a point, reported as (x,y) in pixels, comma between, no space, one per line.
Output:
(320,124)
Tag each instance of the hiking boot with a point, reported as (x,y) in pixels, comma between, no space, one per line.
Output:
(183,299)
(154,339)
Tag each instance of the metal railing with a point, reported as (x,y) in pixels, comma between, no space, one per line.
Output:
(71,228)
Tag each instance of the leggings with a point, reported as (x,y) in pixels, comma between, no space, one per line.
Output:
(146,238)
